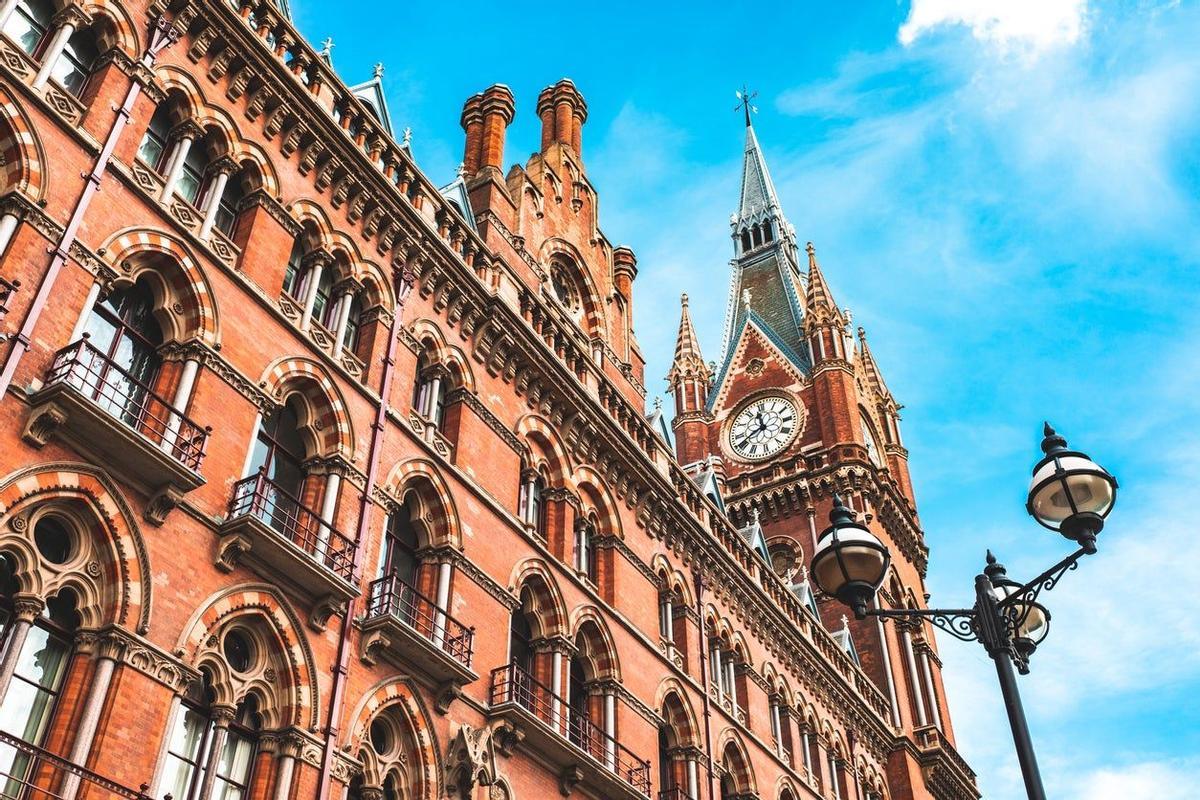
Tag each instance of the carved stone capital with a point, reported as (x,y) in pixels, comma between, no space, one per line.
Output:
(27,607)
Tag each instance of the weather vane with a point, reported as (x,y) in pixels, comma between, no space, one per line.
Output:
(745,104)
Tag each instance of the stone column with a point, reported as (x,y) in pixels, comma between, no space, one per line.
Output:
(314,264)
(160,762)
(8,226)
(107,651)
(6,9)
(67,21)
(221,717)
(329,500)
(289,749)
(442,600)
(185,135)
(931,693)
(89,303)
(693,778)
(345,302)
(27,608)
(610,727)
(183,393)
(220,172)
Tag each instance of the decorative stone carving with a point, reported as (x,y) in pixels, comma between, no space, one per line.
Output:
(162,503)
(43,422)
(230,550)
(470,762)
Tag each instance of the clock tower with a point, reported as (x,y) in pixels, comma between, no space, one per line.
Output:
(794,411)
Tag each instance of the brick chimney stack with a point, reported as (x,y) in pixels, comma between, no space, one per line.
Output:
(563,111)
(624,272)
(485,118)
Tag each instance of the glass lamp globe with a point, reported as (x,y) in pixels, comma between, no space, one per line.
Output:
(1070,493)
(849,562)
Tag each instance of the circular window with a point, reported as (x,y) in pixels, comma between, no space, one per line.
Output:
(381,737)
(53,540)
(239,652)
(565,290)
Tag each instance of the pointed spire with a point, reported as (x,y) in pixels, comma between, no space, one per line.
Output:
(758,190)
(689,361)
(818,299)
(869,366)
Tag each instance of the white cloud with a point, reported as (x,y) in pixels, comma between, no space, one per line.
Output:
(1034,24)
(1162,780)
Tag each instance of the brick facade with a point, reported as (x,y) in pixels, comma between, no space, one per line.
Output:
(300,461)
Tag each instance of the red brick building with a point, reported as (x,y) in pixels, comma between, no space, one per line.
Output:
(320,480)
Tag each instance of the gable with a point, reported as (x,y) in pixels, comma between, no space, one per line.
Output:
(754,341)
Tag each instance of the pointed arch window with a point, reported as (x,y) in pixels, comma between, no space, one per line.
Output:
(33,692)
(190,751)
(746,243)
(768,233)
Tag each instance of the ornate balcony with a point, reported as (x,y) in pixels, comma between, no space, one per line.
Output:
(406,627)
(581,750)
(29,771)
(104,409)
(289,542)
(946,772)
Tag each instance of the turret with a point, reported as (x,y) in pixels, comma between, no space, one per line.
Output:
(688,381)
(830,351)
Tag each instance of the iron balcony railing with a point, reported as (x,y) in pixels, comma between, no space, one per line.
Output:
(512,684)
(260,497)
(393,597)
(98,378)
(31,773)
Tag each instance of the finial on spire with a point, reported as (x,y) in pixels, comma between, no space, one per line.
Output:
(683,300)
(658,404)
(407,141)
(377,72)
(460,170)
(327,47)
(754,517)
(745,96)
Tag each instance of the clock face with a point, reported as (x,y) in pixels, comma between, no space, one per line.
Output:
(764,428)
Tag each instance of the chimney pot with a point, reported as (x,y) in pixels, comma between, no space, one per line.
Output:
(472,124)
(498,110)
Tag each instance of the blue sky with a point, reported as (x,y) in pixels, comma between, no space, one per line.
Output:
(1005,193)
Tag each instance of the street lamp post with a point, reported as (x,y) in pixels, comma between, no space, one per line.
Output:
(1069,494)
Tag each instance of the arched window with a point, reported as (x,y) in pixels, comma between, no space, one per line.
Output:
(351,334)
(321,305)
(400,546)
(756,235)
(153,149)
(30,702)
(666,767)
(520,635)
(586,556)
(746,244)
(579,719)
(191,179)
(768,234)
(29,23)
(193,740)
(429,399)
(531,502)
(123,338)
(279,451)
(230,202)
(294,272)
(74,66)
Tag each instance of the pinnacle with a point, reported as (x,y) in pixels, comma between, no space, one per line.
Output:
(818,297)
(689,361)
